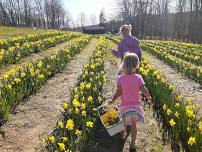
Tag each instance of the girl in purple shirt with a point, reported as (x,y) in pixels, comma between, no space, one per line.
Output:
(128,44)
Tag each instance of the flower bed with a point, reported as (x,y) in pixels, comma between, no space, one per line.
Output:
(26,78)
(76,129)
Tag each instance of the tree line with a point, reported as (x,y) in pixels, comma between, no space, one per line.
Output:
(33,13)
(162,19)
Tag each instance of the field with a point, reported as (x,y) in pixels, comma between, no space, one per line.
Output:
(52,83)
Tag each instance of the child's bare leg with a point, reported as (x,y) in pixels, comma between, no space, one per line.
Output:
(133,135)
(123,133)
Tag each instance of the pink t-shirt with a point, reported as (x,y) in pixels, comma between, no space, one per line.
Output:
(130,86)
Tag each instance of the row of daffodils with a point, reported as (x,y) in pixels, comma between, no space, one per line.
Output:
(6,43)
(26,78)
(14,53)
(179,118)
(188,68)
(186,51)
(75,130)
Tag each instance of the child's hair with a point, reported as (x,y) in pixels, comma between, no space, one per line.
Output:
(126,29)
(129,63)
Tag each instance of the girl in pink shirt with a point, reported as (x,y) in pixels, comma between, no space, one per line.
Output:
(129,86)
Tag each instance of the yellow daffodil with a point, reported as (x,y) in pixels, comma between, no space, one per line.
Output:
(89,124)
(92,66)
(83,106)
(169,112)
(190,113)
(90,98)
(88,86)
(164,107)
(200,126)
(75,103)
(176,114)
(192,141)
(77,111)
(65,105)
(71,110)
(83,113)
(172,123)
(61,124)
(77,132)
(177,105)
(64,139)
(41,76)
(9,86)
(100,99)
(75,90)
(23,74)
(61,146)
(17,80)
(70,124)
(40,64)
(179,98)
(52,139)
(83,98)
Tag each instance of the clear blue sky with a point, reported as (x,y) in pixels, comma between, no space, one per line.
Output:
(89,6)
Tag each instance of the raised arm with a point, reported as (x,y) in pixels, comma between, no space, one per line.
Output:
(119,52)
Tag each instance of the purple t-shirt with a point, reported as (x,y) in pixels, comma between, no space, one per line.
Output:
(130,87)
(128,44)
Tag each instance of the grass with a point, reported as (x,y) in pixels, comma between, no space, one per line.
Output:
(7,32)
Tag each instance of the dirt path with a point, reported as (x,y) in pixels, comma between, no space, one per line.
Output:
(149,138)
(185,86)
(37,117)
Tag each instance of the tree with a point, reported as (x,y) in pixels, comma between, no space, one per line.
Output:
(39,13)
(93,19)
(82,19)
(102,18)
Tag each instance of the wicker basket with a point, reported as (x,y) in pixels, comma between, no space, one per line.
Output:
(115,128)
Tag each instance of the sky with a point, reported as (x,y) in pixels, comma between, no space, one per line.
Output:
(89,7)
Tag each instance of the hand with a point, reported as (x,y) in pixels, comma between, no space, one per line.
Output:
(112,50)
(149,98)
(109,103)
(149,101)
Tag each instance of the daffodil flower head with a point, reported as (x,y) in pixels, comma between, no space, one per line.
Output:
(164,107)
(172,123)
(70,124)
(65,105)
(169,112)
(52,139)
(61,146)
(77,132)
(89,124)
(61,124)
(192,140)
(200,126)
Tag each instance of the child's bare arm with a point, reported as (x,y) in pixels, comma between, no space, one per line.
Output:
(116,95)
(145,92)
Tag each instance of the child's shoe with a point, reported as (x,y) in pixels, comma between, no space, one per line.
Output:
(132,149)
